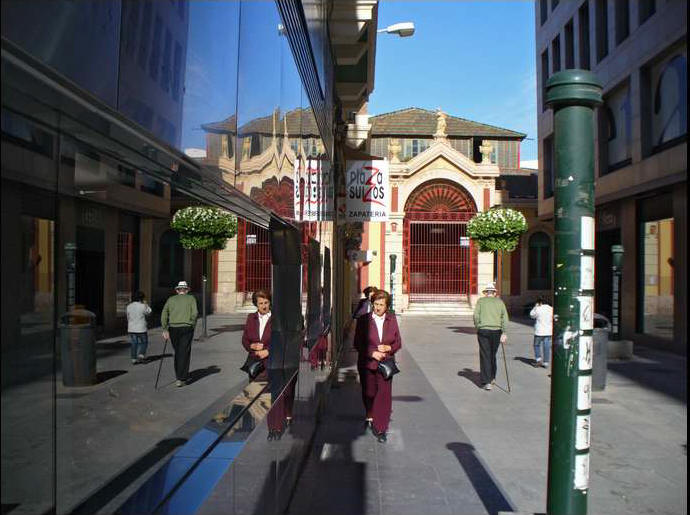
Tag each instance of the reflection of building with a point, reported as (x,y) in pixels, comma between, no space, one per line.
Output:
(638,51)
(261,161)
(98,101)
(444,169)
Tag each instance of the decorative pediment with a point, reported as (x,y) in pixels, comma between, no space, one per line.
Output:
(440,150)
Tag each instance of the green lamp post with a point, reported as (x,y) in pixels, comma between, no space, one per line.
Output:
(572,95)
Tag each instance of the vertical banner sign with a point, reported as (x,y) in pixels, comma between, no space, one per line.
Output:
(311,201)
(297,190)
(367,191)
(327,200)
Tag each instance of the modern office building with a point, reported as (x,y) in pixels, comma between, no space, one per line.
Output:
(109,114)
(638,51)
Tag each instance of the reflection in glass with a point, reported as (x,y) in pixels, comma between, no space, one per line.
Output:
(150,72)
(658,271)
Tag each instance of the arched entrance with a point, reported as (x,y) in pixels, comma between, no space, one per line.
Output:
(440,261)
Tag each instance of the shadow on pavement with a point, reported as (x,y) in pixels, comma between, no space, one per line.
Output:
(107,375)
(470,375)
(230,328)
(488,491)
(115,486)
(200,373)
(407,398)
(661,371)
(463,330)
(157,357)
(527,361)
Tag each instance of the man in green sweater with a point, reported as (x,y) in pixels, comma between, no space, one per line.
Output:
(178,319)
(490,319)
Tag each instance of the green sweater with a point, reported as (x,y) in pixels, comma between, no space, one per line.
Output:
(490,313)
(179,311)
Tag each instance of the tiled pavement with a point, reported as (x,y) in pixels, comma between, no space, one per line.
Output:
(454,448)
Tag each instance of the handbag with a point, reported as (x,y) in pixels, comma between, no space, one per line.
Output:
(388,368)
(253,366)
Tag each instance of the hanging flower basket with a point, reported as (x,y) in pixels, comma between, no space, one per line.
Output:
(497,229)
(203,227)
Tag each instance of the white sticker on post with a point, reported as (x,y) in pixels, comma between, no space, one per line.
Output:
(587,233)
(586,312)
(585,353)
(582,432)
(586,272)
(581,479)
(584,392)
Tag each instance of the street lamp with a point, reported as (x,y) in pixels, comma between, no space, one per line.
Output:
(404,29)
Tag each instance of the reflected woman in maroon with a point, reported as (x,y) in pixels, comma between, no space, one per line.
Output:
(377,337)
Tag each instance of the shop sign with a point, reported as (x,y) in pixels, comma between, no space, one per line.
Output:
(367,191)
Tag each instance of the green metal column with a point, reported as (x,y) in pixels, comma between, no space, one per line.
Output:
(572,95)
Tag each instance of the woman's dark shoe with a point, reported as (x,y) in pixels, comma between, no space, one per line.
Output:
(368,424)
(381,437)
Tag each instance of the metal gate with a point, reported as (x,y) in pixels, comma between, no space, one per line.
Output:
(256,265)
(439,261)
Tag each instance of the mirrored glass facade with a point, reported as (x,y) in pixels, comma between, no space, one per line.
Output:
(115,115)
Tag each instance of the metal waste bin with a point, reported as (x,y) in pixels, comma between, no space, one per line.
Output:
(78,347)
(602,328)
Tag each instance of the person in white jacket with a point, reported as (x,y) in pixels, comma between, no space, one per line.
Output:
(137,311)
(543,328)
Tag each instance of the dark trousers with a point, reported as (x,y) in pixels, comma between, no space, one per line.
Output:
(489,340)
(181,339)
(377,394)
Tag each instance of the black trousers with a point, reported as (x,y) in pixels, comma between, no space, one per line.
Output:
(181,339)
(489,340)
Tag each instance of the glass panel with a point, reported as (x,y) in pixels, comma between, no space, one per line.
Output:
(658,269)
(80,39)
(619,113)
(669,101)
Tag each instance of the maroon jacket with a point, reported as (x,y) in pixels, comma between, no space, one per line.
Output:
(367,338)
(251,333)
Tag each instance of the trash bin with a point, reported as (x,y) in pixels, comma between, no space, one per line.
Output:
(78,347)
(602,328)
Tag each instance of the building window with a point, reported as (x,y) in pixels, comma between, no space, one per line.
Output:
(544,77)
(413,147)
(549,172)
(669,104)
(583,33)
(167,69)
(125,271)
(657,276)
(618,120)
(622,20)
(155,59)
(539,262)
(170,260)
(601,22)
(569,46)
(145,34)
(543,10)
(554,4)
(556,54)
(646,9)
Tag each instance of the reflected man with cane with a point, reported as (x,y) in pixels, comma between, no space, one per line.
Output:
(490,319)
(178,320)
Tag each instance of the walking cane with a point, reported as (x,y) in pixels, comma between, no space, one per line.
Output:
(160,364)
(505,364)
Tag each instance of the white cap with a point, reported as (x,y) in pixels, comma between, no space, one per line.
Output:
(489,287)
(182,285)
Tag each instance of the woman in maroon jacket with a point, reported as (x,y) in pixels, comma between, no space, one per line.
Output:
(256,337)
(377,337)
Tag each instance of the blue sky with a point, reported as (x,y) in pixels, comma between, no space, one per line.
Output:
(474,59)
